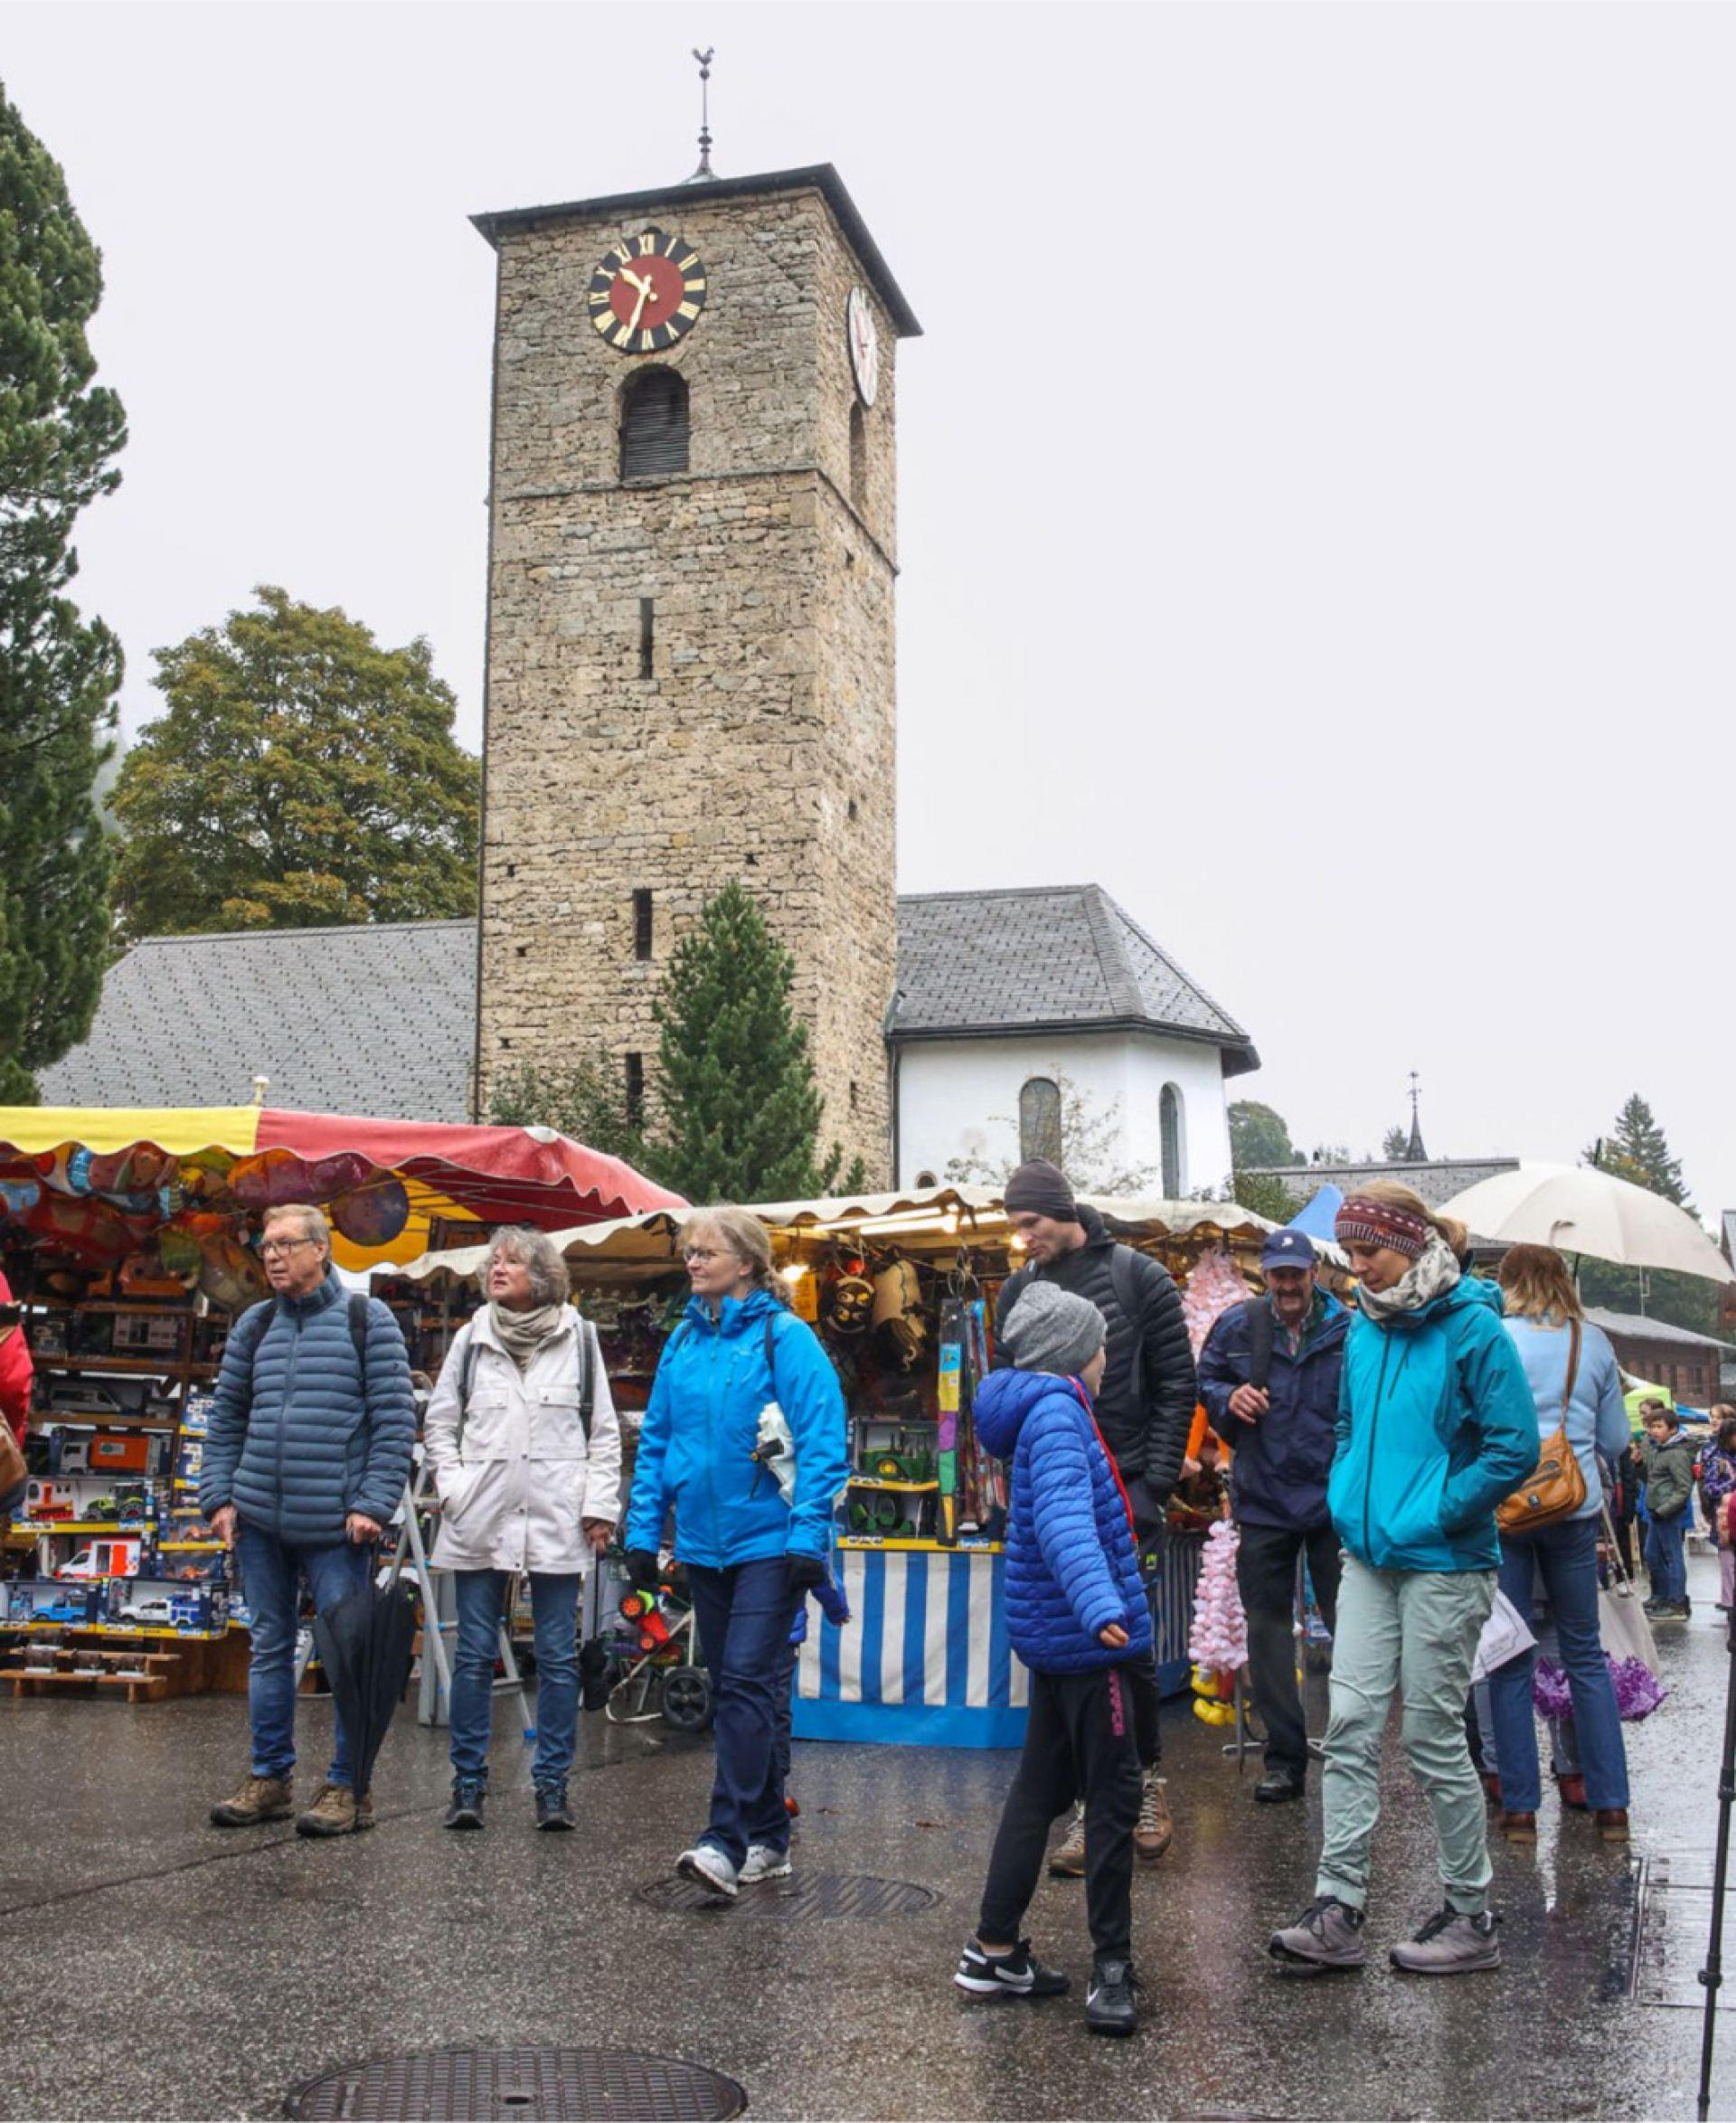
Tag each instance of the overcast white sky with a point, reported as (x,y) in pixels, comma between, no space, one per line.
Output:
(1315,494)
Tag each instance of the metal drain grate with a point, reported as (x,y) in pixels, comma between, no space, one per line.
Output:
(804,1895)
(497,2085)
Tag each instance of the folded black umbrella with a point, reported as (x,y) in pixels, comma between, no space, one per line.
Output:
(364,1643)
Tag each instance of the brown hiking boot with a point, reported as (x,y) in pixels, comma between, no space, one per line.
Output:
(336,1811)
(259,1799)
(1155,1831)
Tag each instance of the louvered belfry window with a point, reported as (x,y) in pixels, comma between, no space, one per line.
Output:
(654,424)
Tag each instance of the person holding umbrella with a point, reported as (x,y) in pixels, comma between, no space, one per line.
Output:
(525,1449)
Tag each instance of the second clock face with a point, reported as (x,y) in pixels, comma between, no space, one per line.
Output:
(647,292)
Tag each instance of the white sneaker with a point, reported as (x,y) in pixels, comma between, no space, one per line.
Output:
(709,1866)
(764,1860)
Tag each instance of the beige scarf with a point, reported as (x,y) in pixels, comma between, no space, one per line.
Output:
(522,1333)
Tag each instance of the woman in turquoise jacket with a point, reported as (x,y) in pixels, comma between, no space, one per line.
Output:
(1436,1425)
(751,1556)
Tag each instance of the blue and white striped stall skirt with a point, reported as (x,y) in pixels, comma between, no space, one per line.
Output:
(925,1661)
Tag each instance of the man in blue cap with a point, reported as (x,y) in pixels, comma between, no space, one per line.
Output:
(1269,1377)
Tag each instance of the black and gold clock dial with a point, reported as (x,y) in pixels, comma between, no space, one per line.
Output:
(647,293)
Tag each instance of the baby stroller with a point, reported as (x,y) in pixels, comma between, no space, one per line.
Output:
(653,1650)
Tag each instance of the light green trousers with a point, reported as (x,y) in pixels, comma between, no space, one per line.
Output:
(1414,1631)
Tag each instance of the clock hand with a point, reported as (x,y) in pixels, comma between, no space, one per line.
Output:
(638,308)
(632,280)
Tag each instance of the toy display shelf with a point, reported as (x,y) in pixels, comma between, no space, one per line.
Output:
(132,1634)
(147,1307)
(967,1546)
(89,1419)
(189,1547)
(87,1525)
(157,1664)
(162,1366)
(907,1489)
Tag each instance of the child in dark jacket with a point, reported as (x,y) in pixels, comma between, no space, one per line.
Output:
(1076,1614)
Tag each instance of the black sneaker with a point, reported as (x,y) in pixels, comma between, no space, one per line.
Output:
(552,1808)
(1110,2007)
(465,1809)
(1018,1974)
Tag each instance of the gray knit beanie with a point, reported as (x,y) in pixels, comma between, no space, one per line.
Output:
(1051,1329)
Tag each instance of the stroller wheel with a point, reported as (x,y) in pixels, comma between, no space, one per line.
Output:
(686,1698)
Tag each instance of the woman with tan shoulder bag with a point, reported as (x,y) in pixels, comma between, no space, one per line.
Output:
(1574,1380)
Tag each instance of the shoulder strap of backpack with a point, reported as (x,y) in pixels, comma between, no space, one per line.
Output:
(251,1336)
(1258,1313)
(1121,1280)
(587,1377)
(467,1378)
(359,1336)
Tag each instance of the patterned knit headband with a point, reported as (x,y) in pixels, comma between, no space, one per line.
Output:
(1365,1222)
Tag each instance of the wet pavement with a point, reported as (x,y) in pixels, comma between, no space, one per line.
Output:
(156,1966)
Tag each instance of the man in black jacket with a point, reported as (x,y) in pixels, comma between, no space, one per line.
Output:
(1145,1409)
(1269,1377)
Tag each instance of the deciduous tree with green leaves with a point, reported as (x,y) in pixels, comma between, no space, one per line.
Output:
(740,1112)
(59,673)
(585,1099)
(302,776)
(1259,1136)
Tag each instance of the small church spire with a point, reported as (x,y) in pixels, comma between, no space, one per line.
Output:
(1414,1153)
(704,173)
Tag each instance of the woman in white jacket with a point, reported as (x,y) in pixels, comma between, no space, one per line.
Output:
(525,1485)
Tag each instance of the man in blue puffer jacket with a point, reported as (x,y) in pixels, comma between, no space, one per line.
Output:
(305,1461)
(1077,1616)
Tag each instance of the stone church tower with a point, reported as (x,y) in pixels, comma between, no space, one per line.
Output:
(692,564)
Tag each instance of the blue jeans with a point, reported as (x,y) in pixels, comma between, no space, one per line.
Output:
(1565,1556)
(745,1613)
(271,1575)
(1667,1563)
(554,1612)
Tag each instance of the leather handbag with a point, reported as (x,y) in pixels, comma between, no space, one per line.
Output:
(1555,1486)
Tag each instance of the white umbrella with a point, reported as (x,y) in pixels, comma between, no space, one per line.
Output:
(1578,1209)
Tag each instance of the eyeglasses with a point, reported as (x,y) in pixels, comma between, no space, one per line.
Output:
(272,1246)
(701,1253)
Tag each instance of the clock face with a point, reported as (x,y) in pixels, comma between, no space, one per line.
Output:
(864,336)
(647,292)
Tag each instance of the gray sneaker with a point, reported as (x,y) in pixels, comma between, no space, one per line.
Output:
(1450,1944)
(1327,1935)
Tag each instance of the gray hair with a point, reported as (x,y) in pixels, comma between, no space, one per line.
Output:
(311,1219)
(742,1234)
(550,1282)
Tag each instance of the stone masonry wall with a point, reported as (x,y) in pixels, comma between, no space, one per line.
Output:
(762,745)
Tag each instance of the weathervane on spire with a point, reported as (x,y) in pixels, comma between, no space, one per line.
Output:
(704,173)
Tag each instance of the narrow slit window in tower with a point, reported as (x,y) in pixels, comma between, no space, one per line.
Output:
(635,1087)
(642,924)
(647,626)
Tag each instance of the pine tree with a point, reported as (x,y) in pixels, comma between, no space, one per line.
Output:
(1636,1150)
(741,1111)
(302,776)
(58,673)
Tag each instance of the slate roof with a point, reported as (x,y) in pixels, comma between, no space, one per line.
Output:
(378,1019)
(1636,1327)
(972,964)
(381,1020)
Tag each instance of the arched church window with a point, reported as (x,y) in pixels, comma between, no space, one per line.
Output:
(654,424)
(1169,1120)
(1040,1119)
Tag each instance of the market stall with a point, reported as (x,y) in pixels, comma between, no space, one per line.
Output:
(902,1289)
(129,1240)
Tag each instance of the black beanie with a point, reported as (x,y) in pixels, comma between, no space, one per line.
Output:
(1041,1189)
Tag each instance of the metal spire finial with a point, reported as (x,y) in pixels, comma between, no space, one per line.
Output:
(704,173)
(1414,1152)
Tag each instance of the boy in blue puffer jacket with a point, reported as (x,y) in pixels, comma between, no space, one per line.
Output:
(1076,1614)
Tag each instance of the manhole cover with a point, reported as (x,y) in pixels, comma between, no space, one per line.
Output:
(805,1894)
(496,2085)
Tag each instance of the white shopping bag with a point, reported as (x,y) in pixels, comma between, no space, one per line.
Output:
(1505,1635)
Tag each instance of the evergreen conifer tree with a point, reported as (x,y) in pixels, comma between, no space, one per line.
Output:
(741,1112)
(1636,1150)
(58,673)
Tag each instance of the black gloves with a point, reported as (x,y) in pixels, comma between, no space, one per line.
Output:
(642,1567)
(806,1573)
